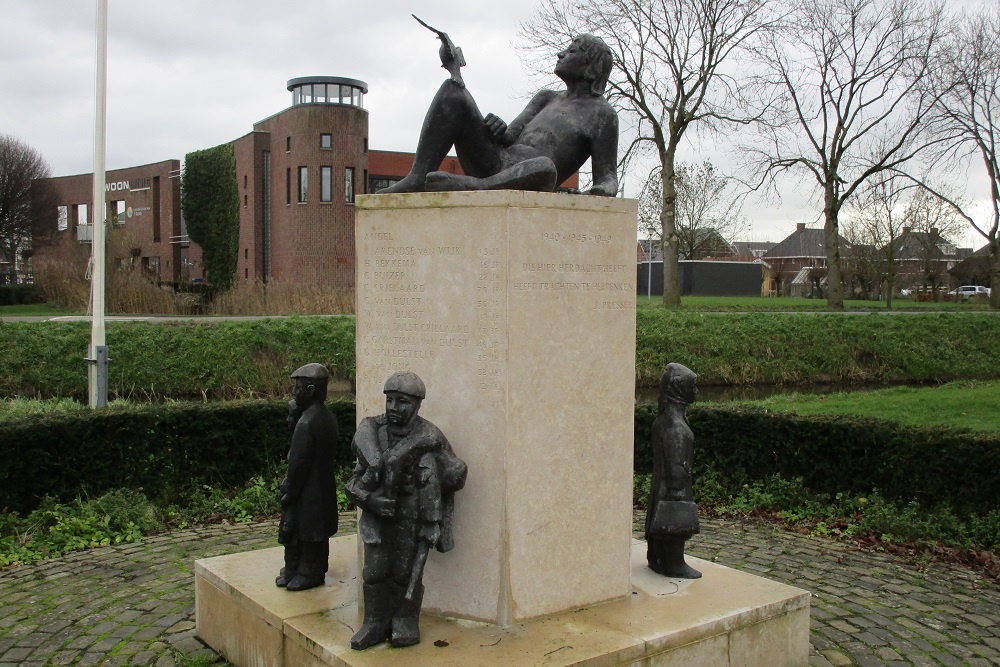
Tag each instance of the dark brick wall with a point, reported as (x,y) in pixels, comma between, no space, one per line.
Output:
(153,199)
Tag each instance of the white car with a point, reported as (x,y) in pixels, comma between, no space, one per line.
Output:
(966,292)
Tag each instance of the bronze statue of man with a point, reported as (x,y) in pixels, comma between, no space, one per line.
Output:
(549,141)
(309,489)
(672,516)
(404,482)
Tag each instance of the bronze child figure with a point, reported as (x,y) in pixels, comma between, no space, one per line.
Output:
(309,490)
(404,482)
(672,516)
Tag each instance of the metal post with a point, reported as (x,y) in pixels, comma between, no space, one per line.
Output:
(98,356)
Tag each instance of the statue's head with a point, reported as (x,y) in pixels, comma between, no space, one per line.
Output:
(310,384)
(404,391)
(589,58)
(678,384)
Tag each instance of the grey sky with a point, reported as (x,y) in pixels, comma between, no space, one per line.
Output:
(186,74)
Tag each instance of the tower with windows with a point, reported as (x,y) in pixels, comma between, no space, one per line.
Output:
(299,173)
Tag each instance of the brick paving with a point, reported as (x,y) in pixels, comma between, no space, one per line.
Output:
(134,604)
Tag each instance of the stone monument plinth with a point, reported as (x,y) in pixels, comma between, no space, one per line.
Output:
(518,311)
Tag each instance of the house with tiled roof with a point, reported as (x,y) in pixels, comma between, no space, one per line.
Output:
(923,258)
(798,262)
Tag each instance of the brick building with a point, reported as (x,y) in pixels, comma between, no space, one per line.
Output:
(298,174)
(145,201)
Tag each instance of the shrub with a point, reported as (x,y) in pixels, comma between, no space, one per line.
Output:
(162,449)
(831,455)
(16,295)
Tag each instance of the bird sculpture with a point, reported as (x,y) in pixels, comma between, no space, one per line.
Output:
(451,55)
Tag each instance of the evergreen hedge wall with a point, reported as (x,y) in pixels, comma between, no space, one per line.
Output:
(836,454)
(164,449)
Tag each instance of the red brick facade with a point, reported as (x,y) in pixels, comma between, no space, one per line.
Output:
(310,241)
(284,234)
(151,196)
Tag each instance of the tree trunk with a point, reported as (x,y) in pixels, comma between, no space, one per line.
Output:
(995,274)
(671,276)
(831,209)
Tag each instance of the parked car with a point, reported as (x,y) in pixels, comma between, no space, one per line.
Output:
(967,292)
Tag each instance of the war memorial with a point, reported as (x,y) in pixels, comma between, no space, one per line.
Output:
(503,310)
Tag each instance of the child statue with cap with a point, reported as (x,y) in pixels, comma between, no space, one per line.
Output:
(309,490)
(404,482)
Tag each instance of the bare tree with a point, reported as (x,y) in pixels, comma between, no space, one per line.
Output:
(850,71)
(873,228)
(931,222)
(966,119)
(669,76)
(707,214)
(20,164)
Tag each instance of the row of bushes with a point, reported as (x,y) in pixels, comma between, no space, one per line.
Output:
(19,294)
(165,448)
(836,453)
(246,359)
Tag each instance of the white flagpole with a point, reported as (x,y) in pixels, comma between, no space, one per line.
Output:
(98,357)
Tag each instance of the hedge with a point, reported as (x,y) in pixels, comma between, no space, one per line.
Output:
(835,454)
(16,295)
(165,448)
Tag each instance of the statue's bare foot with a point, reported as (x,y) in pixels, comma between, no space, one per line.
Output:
(443,181)
(410,183)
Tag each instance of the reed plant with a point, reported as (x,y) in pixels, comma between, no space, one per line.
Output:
(277,297)
(63,277)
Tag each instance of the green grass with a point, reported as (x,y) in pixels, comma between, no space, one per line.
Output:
(799,304)
(34,310)
(12,408)
(964,404)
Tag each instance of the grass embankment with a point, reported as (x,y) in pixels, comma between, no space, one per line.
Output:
(247,359)
(34,310)
(217,360)
(797,304)
(963,404)
(790,348)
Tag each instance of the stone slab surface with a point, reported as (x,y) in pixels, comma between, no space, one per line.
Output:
(518,311)
(241,613)
(726,618)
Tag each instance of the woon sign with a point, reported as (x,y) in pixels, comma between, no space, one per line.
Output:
(134,184)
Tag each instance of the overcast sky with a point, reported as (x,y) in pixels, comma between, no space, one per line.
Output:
(186,74)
